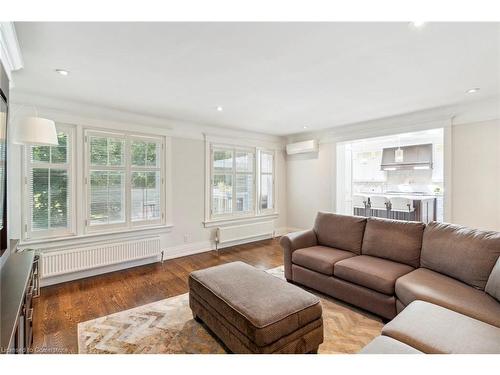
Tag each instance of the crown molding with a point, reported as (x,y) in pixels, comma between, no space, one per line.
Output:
(10,52)
(451,115)
(73,112)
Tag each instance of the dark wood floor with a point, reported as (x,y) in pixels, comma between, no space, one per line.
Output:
(61,307)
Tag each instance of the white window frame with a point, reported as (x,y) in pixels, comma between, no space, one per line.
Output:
(261,151)
(28,233)
(211,219)
(128,169)
(235,173)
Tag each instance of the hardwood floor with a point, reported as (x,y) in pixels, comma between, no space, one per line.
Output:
(61,307)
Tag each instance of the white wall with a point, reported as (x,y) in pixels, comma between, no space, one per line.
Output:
(472,166)
(309,185)
(476,174)
(185,179)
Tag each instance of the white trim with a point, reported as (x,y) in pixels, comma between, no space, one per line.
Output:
(292,229)
(188,249)
(10,52)
(85,239)
(128,169)
(259,174)
(241,142)
(238,220)
(68,111)
(70,167)
(245,240)
(212,220)
(447,172)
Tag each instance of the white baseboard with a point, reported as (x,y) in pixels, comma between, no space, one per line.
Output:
(244,241)
(188,249)
(283,231)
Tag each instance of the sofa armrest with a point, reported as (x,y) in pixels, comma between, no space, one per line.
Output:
(298,240)
(292,242)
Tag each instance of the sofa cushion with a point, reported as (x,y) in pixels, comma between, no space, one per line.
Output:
(493,284)
(400,241)
(319,258)
(371,272)
(340,231)
(426,285)
(462,253)
(387,345)
(436,330)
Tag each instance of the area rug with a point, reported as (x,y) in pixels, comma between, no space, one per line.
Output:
(167,327)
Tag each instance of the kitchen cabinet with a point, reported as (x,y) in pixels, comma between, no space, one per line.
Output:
(366,167)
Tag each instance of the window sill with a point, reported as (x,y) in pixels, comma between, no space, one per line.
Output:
(92,237)
(241,220)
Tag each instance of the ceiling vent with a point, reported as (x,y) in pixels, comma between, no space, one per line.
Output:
(302,147)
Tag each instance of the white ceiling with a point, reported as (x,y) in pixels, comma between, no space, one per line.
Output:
(269,77)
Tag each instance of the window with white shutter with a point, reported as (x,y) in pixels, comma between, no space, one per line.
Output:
(233,181)
(49,188)
(125,182)
(266,181)
(241,182)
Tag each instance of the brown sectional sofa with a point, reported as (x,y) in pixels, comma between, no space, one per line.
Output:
(383,265)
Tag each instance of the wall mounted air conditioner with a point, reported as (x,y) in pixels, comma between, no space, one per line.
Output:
(302,147)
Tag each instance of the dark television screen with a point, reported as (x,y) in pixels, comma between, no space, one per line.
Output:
(4,92)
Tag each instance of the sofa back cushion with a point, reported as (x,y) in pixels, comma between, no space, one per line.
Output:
(460,252)
(493,284)
(399,241)
(340,231)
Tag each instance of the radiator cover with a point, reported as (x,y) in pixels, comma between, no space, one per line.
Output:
(63,261)
(231,234)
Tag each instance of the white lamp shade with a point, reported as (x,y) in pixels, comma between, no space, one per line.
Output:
(35,131)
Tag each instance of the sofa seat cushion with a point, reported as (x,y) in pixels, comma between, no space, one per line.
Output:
(371,272)
(426,285)
(320,258)
(434,329)
(387,345)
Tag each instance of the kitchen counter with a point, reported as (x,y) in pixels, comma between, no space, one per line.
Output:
(415,197)
(425,207)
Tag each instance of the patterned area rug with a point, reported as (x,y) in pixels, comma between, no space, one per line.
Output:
(167,327)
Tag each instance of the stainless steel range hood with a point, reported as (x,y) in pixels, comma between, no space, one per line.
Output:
(409,157)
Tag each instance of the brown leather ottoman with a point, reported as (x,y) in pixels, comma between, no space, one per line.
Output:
(251,311)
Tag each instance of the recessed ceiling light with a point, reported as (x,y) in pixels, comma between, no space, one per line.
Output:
(306,127)
(418,24)
(219,108)
(62,72)
(473,90)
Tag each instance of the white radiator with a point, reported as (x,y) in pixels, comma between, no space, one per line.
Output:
(58,262)
(232,234)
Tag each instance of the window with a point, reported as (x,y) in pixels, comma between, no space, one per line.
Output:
(124,180)
(49,187)
(233,181)
(235,189)
(266,181)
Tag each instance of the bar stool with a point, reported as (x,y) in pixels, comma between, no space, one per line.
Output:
(380,204)
(359,204)
(402,208)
